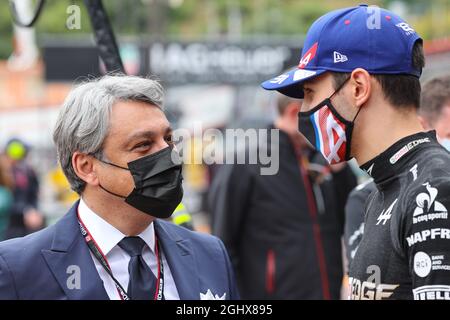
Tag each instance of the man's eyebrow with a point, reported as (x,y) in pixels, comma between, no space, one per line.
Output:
(308,85)
(144,134)
(141,134)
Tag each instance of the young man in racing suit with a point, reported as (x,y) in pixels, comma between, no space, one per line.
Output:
(434,113)
(359,78)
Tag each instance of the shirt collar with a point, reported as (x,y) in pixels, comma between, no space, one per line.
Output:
(107,236)
(391,162)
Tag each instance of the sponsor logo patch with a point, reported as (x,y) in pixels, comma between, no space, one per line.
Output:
(406,148)
(436,292)
(438,262)
(422,264)
(369,171)
(413,170)
(428,234)
(367,290)
(428,209)
(386,214)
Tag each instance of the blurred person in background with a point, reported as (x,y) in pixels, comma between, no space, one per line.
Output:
(434,114)
(354,218)
(434,111)
(283,231)
(182,217)
(58,181)
(24,216)
(6,199)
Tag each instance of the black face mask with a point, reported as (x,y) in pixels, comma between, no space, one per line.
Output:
(157,178)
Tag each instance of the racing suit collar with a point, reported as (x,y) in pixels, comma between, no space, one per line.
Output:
(390,162)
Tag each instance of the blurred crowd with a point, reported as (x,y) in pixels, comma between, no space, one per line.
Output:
(19,193)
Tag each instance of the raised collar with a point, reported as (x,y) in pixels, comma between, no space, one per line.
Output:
(392,161)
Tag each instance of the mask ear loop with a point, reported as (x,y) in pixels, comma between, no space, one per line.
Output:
(114,165)
(106,162)
(340,87)
(110,192)
(357,114)
(347,153)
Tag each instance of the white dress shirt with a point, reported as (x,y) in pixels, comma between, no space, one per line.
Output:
(107,238)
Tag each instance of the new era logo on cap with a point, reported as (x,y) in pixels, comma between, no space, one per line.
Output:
(339,57)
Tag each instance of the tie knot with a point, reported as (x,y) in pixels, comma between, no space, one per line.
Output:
(132,245)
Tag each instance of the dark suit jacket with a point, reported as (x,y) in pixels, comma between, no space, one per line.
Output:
(39,266)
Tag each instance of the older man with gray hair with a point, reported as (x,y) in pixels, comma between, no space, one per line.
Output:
(114,144)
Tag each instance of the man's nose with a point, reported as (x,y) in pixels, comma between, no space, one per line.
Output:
(162,144)
(305,107)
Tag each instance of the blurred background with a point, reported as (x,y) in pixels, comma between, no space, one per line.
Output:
(209,55)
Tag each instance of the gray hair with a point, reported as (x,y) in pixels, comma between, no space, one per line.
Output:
(83,122)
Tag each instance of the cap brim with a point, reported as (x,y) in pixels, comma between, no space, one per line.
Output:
(289,83)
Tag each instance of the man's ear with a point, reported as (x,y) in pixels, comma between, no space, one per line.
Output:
(361,86)
(84,167)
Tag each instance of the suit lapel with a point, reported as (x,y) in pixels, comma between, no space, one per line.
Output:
(181,260)
(69,257)
(70,261)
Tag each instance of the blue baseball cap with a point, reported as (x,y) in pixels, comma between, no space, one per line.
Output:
(371,38)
